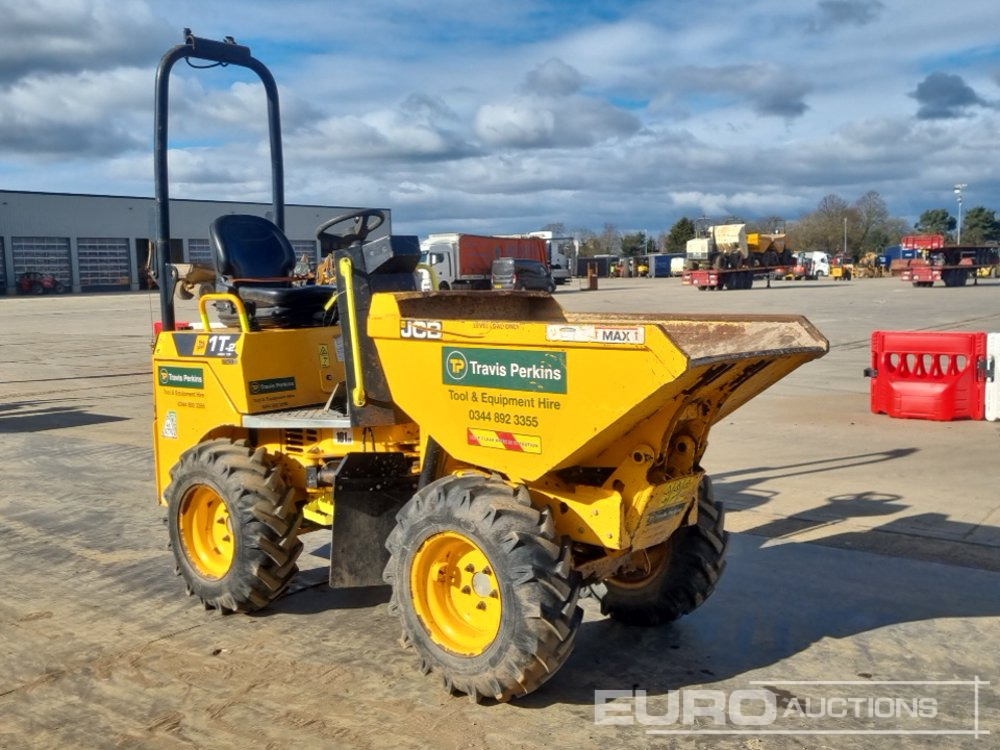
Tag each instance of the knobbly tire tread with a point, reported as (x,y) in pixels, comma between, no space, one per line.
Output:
(264,522)
(687,579)
(539,588)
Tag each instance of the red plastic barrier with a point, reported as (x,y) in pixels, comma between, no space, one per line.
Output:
(937,375)
(178,326)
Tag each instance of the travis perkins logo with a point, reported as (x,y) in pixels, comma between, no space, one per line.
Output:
(516,370)
(182,377)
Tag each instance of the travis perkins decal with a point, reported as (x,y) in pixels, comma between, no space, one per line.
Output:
(507,369)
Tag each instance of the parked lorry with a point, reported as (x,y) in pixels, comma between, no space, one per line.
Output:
(486,473)
(725,246)
(811,264)
(953,266)
(464,261)
(560,252)
(730,258)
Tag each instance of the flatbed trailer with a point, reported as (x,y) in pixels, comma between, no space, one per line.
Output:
(953,266)
(730,278)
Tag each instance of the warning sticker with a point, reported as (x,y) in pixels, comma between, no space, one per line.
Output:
(599,334)
(170,425)
(508,441)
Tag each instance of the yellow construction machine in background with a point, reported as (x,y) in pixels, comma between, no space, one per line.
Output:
(486,454)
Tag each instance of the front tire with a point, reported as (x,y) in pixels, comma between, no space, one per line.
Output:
(675,577)
(233,528)
(483,591)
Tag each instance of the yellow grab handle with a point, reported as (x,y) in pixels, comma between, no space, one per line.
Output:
(241,310)
(358,391)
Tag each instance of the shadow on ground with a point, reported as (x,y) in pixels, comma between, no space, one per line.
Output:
(34,416)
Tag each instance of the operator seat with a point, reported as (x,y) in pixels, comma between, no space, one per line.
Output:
(254,261)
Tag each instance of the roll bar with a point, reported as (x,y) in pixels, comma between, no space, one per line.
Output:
(225,52)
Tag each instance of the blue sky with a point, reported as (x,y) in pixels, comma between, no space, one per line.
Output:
(504,117)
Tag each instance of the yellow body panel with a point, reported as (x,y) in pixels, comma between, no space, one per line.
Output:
(604,417)
(513,384)
(207,381)
(529,394)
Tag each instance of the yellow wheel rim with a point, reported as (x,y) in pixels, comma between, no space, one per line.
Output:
(207,532)
(456,593)
(645,565)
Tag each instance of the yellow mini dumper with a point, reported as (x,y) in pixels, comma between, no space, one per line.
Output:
(486,454)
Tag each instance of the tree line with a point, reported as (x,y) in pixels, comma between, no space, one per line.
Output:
(864,226)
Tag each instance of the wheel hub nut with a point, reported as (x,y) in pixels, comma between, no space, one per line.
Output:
(482,584)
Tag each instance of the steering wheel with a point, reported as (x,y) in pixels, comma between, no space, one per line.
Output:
(365,221)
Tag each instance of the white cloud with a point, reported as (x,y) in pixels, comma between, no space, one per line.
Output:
(523,112)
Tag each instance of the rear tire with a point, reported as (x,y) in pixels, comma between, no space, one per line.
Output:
(483,591)
(679,575)
(233,528)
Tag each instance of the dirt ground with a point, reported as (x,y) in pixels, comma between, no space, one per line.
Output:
(866,552)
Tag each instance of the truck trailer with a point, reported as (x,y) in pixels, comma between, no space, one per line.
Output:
(464,261)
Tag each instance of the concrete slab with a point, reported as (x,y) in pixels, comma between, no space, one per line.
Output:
(867,553)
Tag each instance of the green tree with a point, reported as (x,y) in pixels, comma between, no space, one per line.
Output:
(980,226)
(867,233)
(634,243)
(682,231)
(589,244)
(936,221)
(610,240)
(823,229)
(866,223)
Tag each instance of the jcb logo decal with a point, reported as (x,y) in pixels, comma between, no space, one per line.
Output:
(420,329)
(458,365)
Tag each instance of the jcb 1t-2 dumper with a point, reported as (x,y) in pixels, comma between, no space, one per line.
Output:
(486,454)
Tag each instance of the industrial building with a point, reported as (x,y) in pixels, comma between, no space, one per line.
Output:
(99,243)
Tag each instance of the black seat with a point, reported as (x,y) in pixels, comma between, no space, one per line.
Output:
(254,260)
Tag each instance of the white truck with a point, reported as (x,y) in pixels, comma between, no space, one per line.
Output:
(464,261)
(560,252)
(816,262)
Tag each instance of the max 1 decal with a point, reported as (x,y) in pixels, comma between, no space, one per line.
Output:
(516,370)
(600,334)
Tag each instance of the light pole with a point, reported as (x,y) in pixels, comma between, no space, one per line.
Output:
(958,197)
(845,235)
